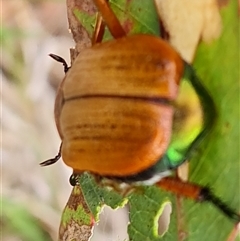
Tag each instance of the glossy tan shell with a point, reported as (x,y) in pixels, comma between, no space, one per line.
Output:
(112,109)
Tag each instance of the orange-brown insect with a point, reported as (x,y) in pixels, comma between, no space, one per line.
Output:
(116,110)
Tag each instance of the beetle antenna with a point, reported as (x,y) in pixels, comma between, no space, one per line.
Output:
(52,160)
(61,60)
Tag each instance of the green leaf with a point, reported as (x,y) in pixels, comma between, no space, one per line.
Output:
(84,206)
(136,16)
(217,163)
(145,209)
(97,195)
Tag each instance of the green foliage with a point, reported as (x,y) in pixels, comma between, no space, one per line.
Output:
(135,16)
(217,163)
(97,196)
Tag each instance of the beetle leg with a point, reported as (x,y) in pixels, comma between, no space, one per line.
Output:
(60,60)
(52,160)
(98,30)
(110,19)
(197,193)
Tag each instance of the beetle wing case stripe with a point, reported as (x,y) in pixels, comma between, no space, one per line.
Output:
(128,66)
(114,136)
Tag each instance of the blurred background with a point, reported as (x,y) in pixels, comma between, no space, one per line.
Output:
(33,197)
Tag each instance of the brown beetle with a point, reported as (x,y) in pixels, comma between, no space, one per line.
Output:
(101,114)
(119,112)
